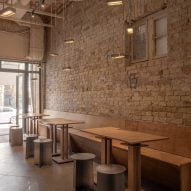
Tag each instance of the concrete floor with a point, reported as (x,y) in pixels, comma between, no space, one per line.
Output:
(19,174)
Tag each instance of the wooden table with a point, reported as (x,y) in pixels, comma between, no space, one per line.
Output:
(32,126)
(63,125)
(134,140)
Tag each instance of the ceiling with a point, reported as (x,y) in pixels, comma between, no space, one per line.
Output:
(42,14)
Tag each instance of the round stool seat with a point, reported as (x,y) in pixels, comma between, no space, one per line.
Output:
(111,169)
(83,156)
(110,177)
(83,171)
(43,140)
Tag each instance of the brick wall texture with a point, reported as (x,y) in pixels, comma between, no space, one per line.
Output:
(98,85)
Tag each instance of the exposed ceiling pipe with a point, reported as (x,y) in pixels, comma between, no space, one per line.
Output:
(19,14)
(24,8)
(23,2)
(26,22)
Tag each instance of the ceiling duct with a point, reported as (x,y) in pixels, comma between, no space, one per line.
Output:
(36,41)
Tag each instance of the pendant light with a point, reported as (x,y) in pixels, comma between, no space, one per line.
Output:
(130,22)
(114,2)
(33,14)
(53,41)
(8,11)
(67,40)
(130,29)
(42,4)
(119,55)
(66,66)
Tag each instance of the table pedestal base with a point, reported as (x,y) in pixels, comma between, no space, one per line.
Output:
(55,154)
(59,160)
(134,167)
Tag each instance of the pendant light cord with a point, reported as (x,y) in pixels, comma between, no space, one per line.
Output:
(54,25)
(129,12)
(51,40)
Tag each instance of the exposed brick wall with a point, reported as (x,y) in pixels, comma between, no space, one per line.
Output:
(99,85)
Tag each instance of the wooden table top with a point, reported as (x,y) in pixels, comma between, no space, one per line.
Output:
(60,121)
(130,137)
(28,115)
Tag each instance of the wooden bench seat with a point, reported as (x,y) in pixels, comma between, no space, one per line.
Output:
(167,162)
(169,169)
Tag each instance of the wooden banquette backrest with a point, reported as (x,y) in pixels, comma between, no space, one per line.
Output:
(179,141)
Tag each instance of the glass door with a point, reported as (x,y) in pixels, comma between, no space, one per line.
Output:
(19,91)
(7,97)
(19,98)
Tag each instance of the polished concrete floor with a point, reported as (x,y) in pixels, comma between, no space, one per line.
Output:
(19,174)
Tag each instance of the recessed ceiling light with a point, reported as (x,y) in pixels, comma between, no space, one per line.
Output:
(7,12)
(114,3)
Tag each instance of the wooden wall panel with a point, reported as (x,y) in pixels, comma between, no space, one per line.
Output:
(179,141)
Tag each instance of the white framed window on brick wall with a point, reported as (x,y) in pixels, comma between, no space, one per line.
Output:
(149,39)
(140,41)
(159,37)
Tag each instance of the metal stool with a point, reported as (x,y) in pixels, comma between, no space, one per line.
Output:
(29,148)
(15,135)
(110,178)
(83,171)
(43,152)
(10,131)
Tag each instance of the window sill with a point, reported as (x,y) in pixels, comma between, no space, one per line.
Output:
(158,57)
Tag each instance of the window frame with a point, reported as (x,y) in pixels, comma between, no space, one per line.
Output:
(149,21)
(139,23)
(154,17)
